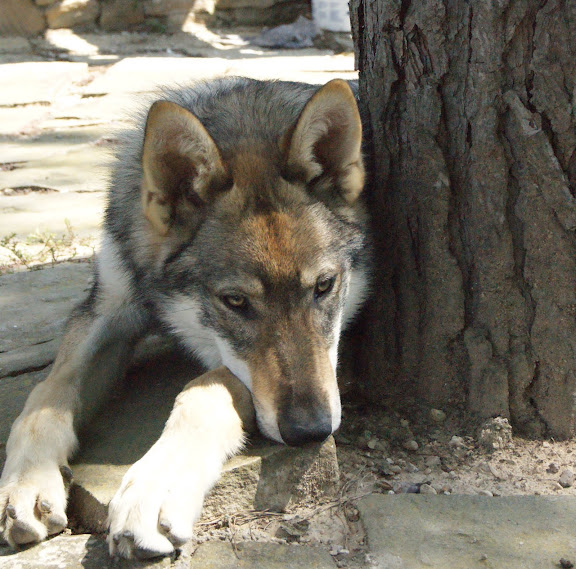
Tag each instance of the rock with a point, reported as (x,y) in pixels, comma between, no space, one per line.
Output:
(410,445)
(433,461)
(566,479)
(553,468)
(141,74)
(485,493)
(260,12)
(457,443)
(72,13)
(516,531)
(20,18)
(297,35)
(371,444)
(495,434)
(165,7)
(22,331)
(38,81)
(427,489)
(265,476)
(437,415)
(249,555)
(69,551)
(121,15)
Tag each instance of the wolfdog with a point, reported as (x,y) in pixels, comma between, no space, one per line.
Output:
(235,222)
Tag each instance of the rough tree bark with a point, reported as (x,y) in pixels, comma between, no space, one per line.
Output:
(470,107)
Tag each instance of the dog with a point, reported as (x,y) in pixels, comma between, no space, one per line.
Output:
(235,221)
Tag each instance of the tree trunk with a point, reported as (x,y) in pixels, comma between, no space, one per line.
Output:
(471,146)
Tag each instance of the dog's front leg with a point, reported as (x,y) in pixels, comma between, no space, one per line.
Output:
(161,495)
(93,354)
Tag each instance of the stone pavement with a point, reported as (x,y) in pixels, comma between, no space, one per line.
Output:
(57,123)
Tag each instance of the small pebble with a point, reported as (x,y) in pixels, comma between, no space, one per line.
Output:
(404,423)
(427,489)
(495,433)
(371,444)
(410,445)
(483,557)
(553,468)
(457,442)
(338,550)
(395,469)
(381,446)
(566,564)
(412,468)
(485,493)
(432,461)
(437,415)
(566,478)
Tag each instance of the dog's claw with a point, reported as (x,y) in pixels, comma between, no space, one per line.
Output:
(11,511)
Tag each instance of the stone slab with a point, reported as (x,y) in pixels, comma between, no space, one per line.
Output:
(112,107)
(71,552)
(53,135)
(48,212)
(35,305)
(18,120)
(253,555)
(142,74)
(91,552)
(264,476)
(439,532)
(280,65)
(35,82)
(82,169)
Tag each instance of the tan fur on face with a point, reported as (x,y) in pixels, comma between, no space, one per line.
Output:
(274,244)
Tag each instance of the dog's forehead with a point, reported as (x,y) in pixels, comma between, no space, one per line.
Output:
(285,245)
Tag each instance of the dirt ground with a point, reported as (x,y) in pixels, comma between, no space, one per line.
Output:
(419,450)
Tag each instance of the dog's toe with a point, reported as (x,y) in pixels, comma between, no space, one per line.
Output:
(33,507)
(22,532)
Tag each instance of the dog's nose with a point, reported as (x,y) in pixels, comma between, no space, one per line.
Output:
(298,427)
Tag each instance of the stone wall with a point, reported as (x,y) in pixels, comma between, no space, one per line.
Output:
(32,17)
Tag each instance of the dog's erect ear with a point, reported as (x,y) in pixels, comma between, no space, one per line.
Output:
(182,165)
(326,140)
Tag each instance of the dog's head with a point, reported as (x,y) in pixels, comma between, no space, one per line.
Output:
(256,250)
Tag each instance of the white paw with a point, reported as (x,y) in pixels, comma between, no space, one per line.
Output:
(156,506)
(33,503)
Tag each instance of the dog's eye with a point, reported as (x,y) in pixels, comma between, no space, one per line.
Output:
(323,286)
(236,301)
